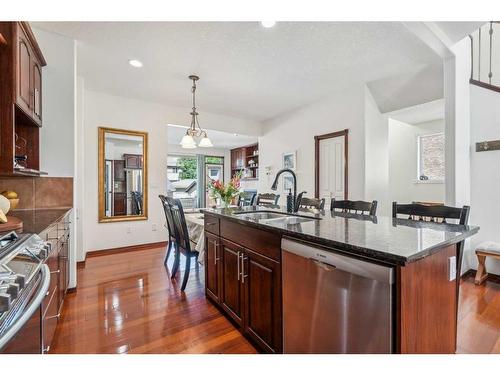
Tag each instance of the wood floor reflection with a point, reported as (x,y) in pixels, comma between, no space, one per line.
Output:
(127,303)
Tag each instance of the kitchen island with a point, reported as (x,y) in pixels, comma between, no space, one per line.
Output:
(249,277)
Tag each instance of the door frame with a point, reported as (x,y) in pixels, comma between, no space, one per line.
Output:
(317,139)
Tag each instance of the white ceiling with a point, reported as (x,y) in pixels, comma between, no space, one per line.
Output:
(221,140)
(426,112)
(246,70)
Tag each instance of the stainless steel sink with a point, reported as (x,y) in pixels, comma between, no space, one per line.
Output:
(274,217)
(291,220)
(261,215)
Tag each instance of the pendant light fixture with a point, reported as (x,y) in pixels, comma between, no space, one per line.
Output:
(195,131)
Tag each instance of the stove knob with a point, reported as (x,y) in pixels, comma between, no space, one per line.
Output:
(20,280)
(13,290)
(4,302)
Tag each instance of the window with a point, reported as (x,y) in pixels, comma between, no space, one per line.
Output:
(430,157)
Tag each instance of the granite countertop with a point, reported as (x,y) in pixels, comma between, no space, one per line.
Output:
(395,241)
(38,220)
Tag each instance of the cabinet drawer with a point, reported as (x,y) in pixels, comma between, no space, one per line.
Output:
(50,319)
(262,242)
(212,224)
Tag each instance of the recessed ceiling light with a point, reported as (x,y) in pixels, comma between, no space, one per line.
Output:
(235,134)
(135,63)
(268,24)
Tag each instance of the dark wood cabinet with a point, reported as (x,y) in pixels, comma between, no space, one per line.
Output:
(58,235)
(21,62)
(246,161)
(119,170)
(37,91)
(133,161)
(24,83)
(119,204)
(244,281)
(232,290)
(212,266)
(29,74)
(262,284)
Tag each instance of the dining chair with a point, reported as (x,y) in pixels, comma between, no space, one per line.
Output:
(433,213)
(267,199)
(170,227)
(246,199)
(310,203)
(181,239)
(362,207)
(438,214)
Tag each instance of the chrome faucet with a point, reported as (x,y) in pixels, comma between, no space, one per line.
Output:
(294,176)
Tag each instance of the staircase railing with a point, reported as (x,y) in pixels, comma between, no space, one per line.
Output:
(485,56)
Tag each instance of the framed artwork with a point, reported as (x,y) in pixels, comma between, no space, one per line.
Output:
(290,160)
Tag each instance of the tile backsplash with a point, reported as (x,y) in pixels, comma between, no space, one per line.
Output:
(40,192)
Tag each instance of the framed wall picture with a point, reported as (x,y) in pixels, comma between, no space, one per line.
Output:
(290,160)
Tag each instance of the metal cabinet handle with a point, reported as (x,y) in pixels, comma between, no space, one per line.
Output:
(53,272)
(53,317)
(216,258)
(238,266)
(210,224)
(46,350)
(243,276)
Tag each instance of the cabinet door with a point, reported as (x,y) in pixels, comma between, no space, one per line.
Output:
(261,279)
(232,291)
(37,91)
(120,204)
(24,84)
(119,170)
(212,266)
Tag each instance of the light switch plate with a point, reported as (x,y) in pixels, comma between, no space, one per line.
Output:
(452,268)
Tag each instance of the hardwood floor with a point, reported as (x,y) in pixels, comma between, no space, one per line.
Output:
(479,317)
(127,303)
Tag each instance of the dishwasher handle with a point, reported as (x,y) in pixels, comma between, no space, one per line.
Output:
(335,261)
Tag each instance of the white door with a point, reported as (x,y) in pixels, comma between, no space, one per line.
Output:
(332,169)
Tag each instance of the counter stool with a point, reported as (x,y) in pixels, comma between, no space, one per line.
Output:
(483,250)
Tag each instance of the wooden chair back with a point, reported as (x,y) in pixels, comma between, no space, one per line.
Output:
(308,203)
(433,213)
(168,216)
(180,226)
(267,199)
(357,207)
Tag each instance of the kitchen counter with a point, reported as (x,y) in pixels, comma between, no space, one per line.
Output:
(37,221)
(394,241)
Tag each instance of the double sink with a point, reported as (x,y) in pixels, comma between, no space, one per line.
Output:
(272,217)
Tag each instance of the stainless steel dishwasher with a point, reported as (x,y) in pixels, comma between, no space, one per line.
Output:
(334,303)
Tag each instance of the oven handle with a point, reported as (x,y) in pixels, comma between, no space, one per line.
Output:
(28,313)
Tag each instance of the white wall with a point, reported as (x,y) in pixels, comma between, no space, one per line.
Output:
(485,171)
(57,138)
(377,156)
(100,109)
(296,131)
(403,163)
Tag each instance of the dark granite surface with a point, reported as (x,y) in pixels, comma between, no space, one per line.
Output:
(37,221)
(395,241)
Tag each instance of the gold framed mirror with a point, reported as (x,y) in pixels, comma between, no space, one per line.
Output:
(123,175)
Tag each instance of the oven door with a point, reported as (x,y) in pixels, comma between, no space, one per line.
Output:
(24,335)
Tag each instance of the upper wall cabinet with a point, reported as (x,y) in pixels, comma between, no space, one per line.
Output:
(21,63)
(29,74)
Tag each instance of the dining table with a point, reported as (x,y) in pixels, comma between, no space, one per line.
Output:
(195,224)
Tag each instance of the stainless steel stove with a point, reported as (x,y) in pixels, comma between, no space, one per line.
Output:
(24,280)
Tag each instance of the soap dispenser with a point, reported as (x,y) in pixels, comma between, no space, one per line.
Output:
(290,204)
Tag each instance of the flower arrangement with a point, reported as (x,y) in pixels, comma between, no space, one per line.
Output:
(225,192)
